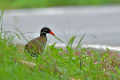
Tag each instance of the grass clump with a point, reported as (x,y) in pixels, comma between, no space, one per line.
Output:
(57,64)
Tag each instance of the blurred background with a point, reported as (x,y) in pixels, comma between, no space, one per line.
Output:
(99,19)
(15,4)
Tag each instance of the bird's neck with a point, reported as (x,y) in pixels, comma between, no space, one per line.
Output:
(43,34)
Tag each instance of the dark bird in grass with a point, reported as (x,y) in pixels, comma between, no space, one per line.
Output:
(37,45)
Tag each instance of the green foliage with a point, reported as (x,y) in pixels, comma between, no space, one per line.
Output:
(11,4)
(56,64)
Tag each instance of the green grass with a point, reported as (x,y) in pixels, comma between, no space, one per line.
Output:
(13,4)
(56,63)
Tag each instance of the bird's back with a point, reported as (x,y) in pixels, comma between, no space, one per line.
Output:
(36,46)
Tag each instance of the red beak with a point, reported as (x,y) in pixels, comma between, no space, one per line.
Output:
(52,33)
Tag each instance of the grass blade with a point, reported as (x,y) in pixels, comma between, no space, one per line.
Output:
(21,34)
(71,41)
(2,12)
(59,39)
(1,22)
(80,42)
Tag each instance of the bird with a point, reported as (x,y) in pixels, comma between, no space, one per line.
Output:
(36,46)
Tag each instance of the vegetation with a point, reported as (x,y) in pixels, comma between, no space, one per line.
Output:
(56,63)
(13,4)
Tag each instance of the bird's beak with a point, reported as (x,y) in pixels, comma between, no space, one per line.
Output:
(52,33)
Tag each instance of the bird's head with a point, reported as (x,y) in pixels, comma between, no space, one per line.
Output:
(46,30)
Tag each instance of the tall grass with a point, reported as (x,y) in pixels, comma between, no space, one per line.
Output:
(56,64)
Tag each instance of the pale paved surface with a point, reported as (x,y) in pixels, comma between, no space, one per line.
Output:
(101,24)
